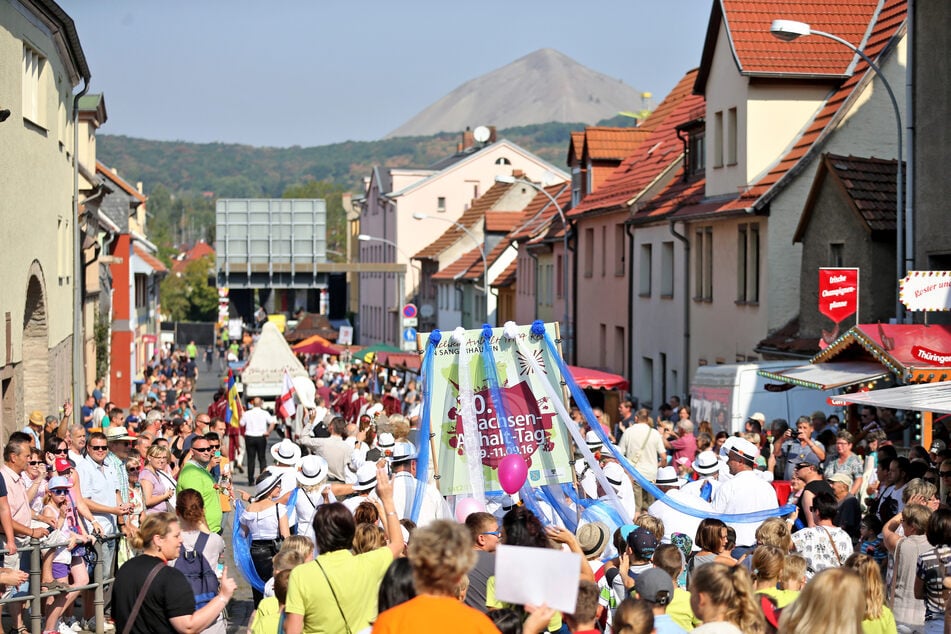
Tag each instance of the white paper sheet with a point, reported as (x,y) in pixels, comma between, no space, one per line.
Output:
(537,575)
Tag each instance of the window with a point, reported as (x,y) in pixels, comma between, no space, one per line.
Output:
(560,277)
(667,270)
(441,204)
(604,250)
(603,346)
(747,263)
(619,349)
(502,161)
(696,153)
(644,270)
(576,177)
(619,249)
(33,66)
(703,264)
(836,257)
(731,132)
(141,291)
(718,139)
(589,252)
(646,380)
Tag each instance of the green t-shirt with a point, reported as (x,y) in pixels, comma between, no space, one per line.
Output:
(356,581)
(885,624)
(194,477)
(782,597)
(680,611)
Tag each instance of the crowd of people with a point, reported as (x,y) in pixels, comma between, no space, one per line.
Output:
(334,545)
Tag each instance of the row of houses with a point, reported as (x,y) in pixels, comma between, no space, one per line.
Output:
(695,238)
(76,256)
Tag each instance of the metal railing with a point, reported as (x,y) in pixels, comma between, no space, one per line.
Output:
(35,595)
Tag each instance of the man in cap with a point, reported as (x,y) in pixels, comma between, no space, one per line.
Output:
(406,487)
(364,487)
(34,428)
(334,449)
(707,467)
(120,446)
(746,491)
(677,521)
(486,533)
(849,515)
(797,446)
(636,558)
(585,473)
(656,587)
(808,472)
(616,476)
(195,475)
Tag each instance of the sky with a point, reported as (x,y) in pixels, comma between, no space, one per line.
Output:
(307,73)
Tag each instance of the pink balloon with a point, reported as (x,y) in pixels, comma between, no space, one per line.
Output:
(512,473)
(466,507)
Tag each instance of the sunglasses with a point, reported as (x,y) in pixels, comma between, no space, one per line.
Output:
(59,491)
(98,447)
(496,533)
(945,474)
(61,451)
(201,449)
(216,447)
(34,463)
(132,470)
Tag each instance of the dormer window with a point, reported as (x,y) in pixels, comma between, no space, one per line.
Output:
(693,135)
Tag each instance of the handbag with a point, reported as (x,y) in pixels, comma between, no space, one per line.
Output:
(141,598)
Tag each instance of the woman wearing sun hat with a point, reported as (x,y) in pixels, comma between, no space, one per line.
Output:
(313,492)
(264,523)
(707,467)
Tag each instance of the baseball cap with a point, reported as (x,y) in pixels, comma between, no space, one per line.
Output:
(844,478)
(760,416)
(62,464)
(655,586)
(593,538)
(937,446)
(810,459)
(642,542)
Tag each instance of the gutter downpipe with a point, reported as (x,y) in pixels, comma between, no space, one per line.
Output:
(572,247)
(534,283)
(629,230)
(79,274)
(685,374)
(910,141)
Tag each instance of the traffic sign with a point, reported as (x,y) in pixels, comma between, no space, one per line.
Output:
(409,311)
(410,322)
(409,334)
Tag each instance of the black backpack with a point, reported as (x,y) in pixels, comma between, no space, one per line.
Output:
(200,576)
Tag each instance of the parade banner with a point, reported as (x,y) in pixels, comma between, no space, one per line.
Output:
(530,424)
(926,290)
(838,293)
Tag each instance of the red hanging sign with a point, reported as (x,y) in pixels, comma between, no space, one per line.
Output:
(838,293)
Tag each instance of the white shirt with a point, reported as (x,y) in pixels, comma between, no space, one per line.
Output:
(745,492)
(255,422)
(433,507)
(695,486)
(676,521)
(643,446)
(100,483)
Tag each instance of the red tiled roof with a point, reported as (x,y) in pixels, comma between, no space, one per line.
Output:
(540,212)
(199,250)
(474,272)
(757,52)
(501,221)
(869,185)
(606,144)
(470,218)
(460,266)
(654,154)
(889,24)
(506,277)
(149,259)
(575,147)
(106,171)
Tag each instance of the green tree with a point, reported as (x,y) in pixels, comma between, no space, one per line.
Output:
(332,194)
(190,296)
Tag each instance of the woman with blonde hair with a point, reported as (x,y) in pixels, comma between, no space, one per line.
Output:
(833,602)
(633,616)
(722,597)
(878,618)
(775,532)
(158,487)
(768,563)
(368,537)
(170,603)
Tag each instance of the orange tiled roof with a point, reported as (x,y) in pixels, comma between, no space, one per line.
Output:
(470,218)
(149,259)
(606,144)
(540,212)
(460,266)
(199,250)
(575,147)
(757,52)
(501,221)
(653,155)
(106,171)
(506,277)
(890,23)
(869,184)
(474,272)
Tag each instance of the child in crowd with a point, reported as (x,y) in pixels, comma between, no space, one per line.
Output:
(794,573)
(670,559)
(871,542)
(269,617)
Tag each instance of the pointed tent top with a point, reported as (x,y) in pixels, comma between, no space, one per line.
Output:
(270,357)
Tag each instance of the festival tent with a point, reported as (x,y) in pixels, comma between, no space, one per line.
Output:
(315,345)
(263,375)
(365,354)
(399,360)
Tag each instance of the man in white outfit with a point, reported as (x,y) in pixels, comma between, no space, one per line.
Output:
(433,506)
(707,466)
(745,492)
(677,521)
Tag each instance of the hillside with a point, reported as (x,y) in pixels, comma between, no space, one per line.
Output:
(543,86)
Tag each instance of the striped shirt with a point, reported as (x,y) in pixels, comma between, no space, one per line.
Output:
(929,571)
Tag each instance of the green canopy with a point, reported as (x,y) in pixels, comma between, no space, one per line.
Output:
(373,350)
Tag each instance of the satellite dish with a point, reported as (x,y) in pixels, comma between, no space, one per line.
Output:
(481,134)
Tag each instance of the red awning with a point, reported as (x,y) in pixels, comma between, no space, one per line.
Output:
(586,377)
(407,360)
(315,347)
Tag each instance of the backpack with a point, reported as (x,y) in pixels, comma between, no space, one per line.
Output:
(200,576)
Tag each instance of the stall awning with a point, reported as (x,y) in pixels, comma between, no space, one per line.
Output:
(586,377)
(828,376)
(923,397)
(397,360)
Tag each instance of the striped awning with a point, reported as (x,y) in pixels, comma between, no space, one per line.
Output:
(831,375)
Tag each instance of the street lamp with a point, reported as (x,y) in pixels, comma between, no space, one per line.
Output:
(479,245)
(789,30)
(400,291)
(368,238)
(511,180)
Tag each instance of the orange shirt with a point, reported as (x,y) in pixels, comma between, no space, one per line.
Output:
(429,614)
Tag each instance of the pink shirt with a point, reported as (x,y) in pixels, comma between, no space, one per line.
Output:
(685,446)
(16,496)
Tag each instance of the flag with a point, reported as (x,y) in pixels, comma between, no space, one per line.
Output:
(286,407)
(234,409)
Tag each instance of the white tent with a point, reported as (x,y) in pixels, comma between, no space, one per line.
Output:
(264,373)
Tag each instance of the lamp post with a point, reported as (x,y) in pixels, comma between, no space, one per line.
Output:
(400,292)
(479,245)
(789,30)
(510,180)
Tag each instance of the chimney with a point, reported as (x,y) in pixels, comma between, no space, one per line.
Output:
(492,134)
(467,139)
